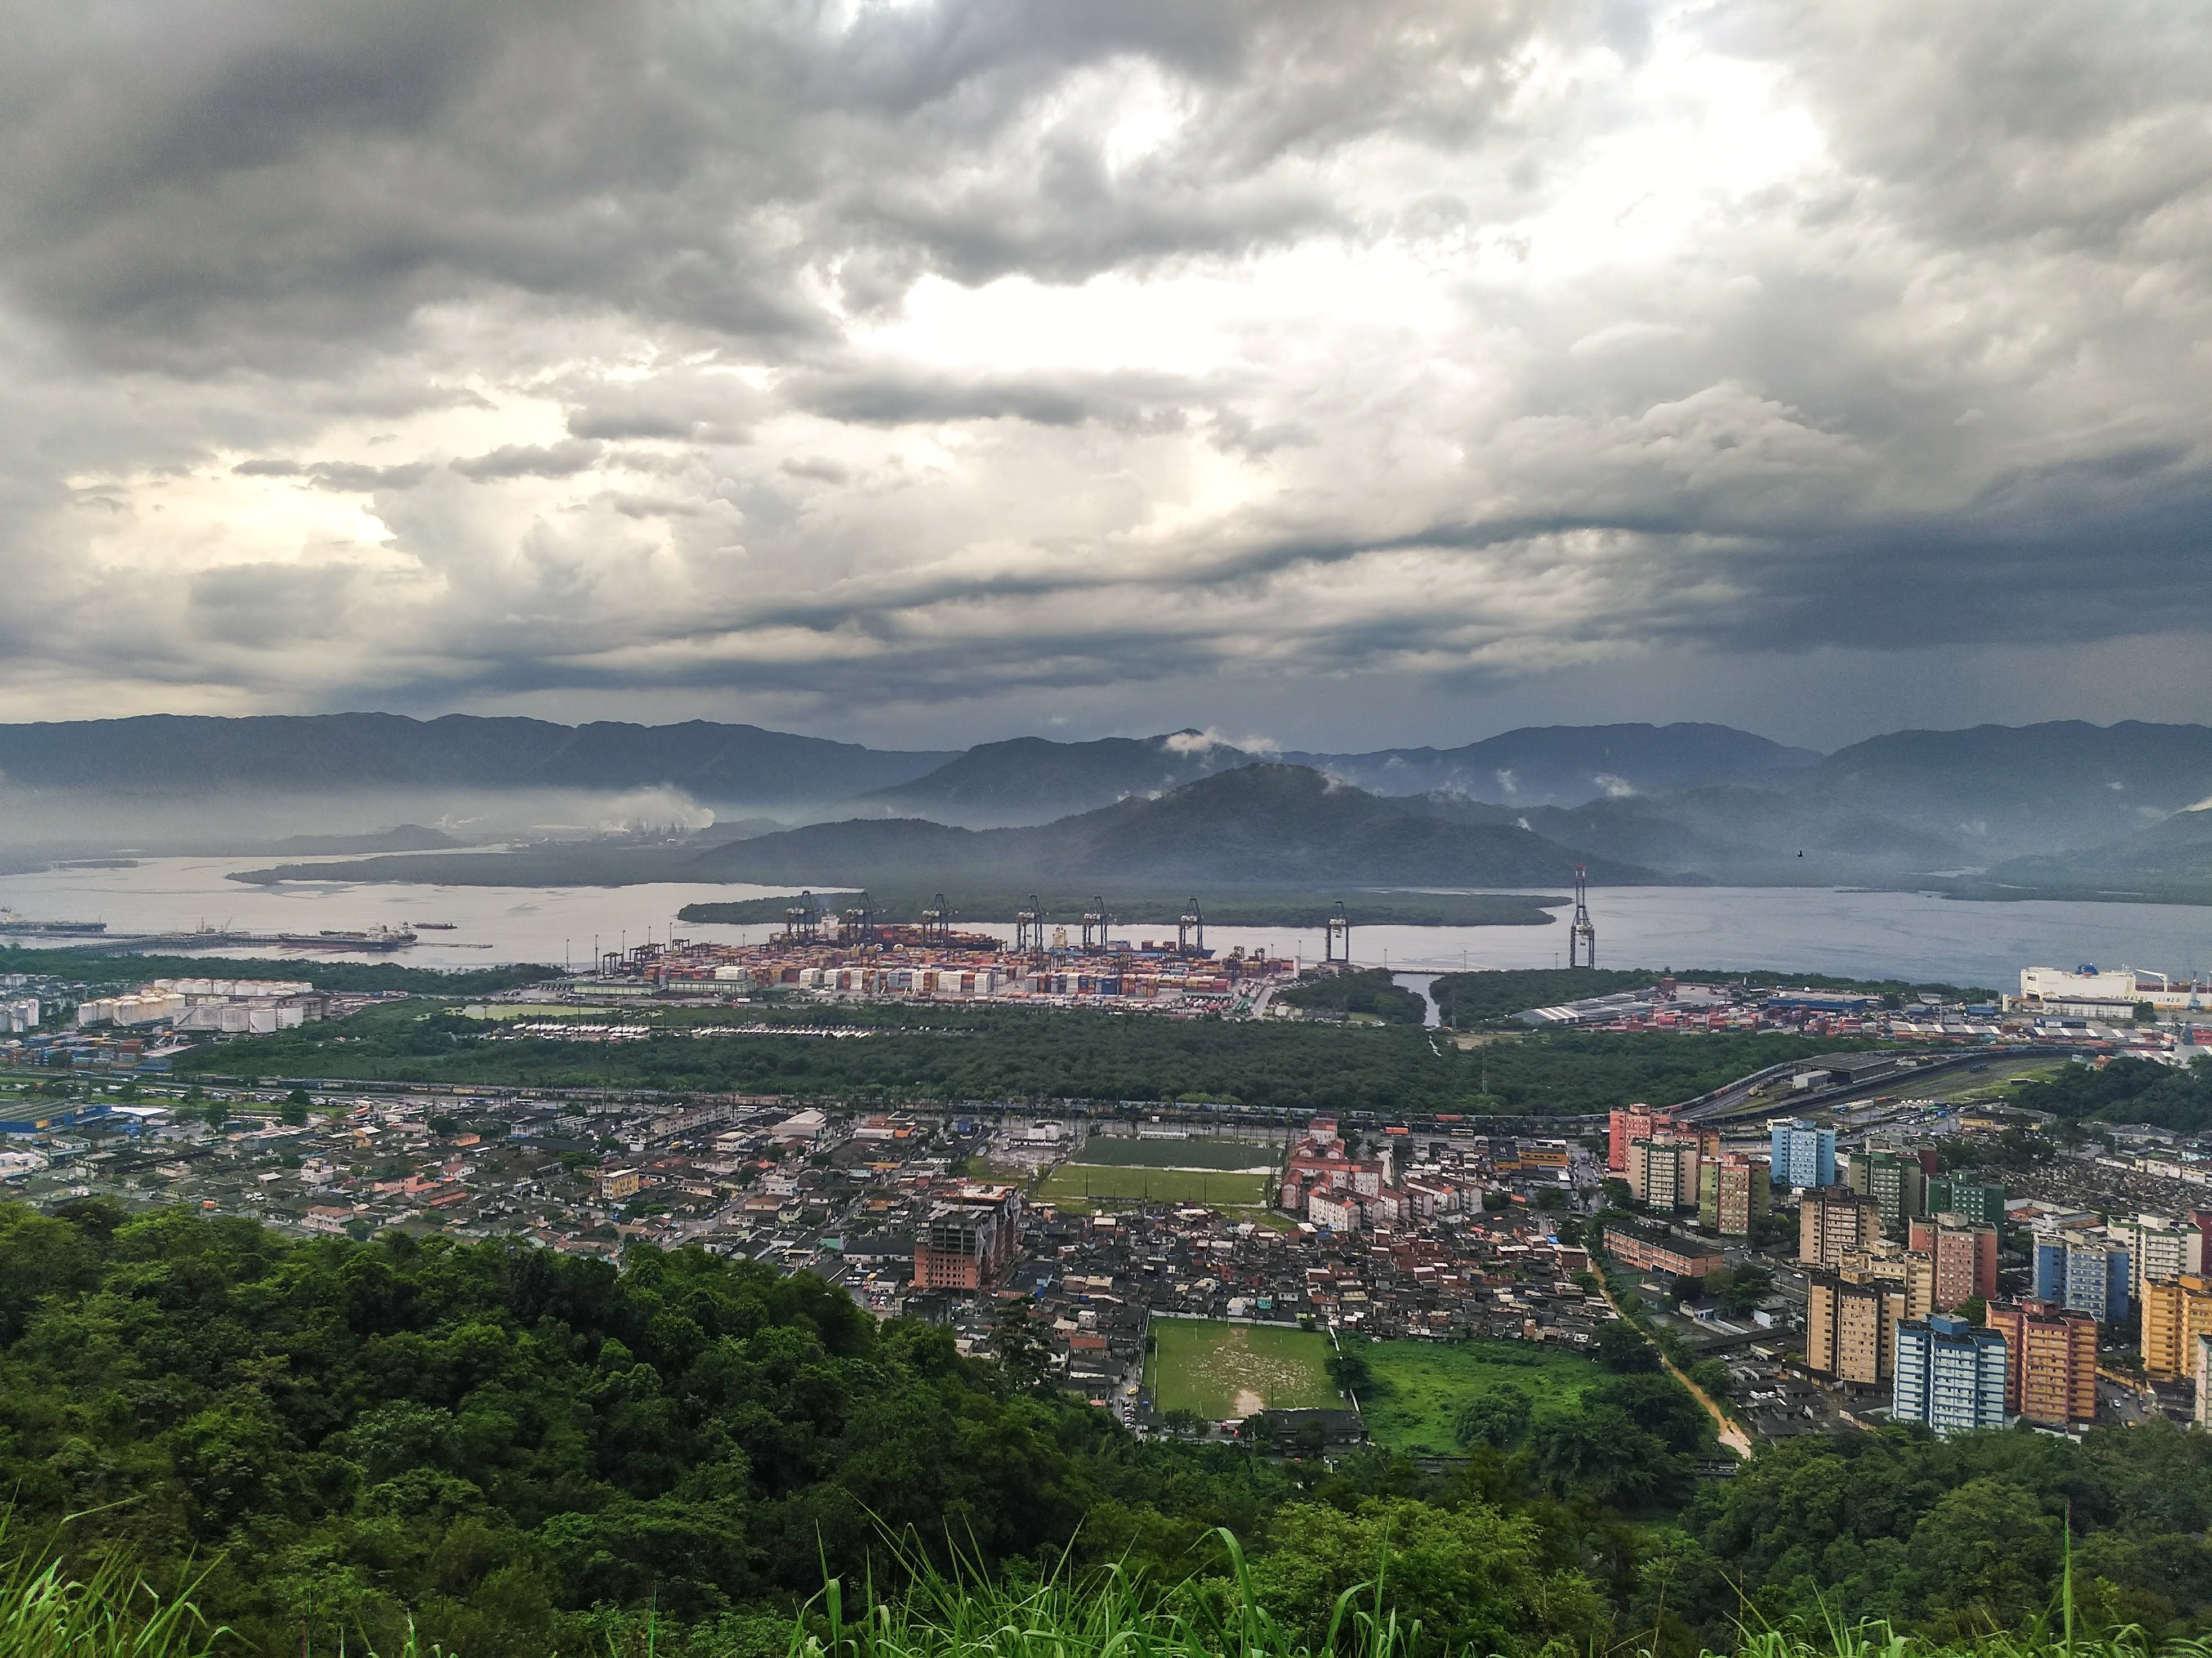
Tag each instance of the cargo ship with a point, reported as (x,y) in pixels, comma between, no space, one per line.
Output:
(378,939)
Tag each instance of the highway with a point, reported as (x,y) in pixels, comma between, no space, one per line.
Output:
(1734,1099)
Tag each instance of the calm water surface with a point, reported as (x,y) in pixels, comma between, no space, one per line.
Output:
(1818,930)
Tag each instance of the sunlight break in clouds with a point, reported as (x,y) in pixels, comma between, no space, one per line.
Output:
(782,363)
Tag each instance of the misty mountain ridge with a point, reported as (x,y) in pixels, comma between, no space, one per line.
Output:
(177,755)
(1567,765)
(2061,806)
(1032,780)
(1258,824)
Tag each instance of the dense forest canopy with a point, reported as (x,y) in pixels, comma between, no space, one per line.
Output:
(954,1053)
(2128,1090)
(1372,991)
(521,1450)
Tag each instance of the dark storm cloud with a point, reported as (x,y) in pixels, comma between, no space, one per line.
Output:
(343,477)
(903,398)
(540,461)
(884,353)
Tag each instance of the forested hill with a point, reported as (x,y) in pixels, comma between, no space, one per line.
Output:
(522,1454)
(497,1437)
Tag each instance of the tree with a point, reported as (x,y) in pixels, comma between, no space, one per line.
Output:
(1496,1419)
(1620,1346)
(1022,1358)
(1599,1452)
(1991,1548)
(1660,1406)
(216,1114)
(1349,1369)
(1475,1578)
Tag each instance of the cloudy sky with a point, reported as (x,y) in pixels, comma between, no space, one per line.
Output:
(934,372)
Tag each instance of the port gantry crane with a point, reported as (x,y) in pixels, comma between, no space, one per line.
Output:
(937,922)
(1029,928)
(1190,930)
(802,921)
(1336,937)
(1095,924)
(1582,934)
(857,926)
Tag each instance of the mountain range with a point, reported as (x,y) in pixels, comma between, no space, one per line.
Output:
(2058,808)
(1030,780)
(1258,825)
(182,756)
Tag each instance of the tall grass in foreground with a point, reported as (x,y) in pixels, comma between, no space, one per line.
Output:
(47,1613)
(1112,1615)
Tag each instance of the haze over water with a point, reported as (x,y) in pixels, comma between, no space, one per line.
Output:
(1814,930)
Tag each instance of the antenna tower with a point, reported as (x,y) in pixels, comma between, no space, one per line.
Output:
(1582,935)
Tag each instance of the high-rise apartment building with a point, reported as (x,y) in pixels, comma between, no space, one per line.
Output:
(1980,1201)
(968,1239)
(2085,1274)
(2099,1278)
(1801,1156)
(2202,1414)
(1662,1171)
(1950,1375)
(1733,1191)
(2158,1249)
(1887,1262)
(1892,1180)
(2175,1312)
(1966,1258)
(2046,1259)
(1831,1220)
(1850,1328)
(2051,1370)
(1624,1126)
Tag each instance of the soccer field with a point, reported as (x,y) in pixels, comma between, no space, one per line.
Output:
(1073,1184)
(1193,1153)
(1222,1370)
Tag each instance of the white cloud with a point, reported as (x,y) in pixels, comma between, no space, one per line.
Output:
(916,355)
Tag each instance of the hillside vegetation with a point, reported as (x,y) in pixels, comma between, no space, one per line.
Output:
(517,1454)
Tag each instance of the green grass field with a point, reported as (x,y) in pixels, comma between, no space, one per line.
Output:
(1428,1384)
(1223,1370)
(1212,1154)
(1073,1184)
